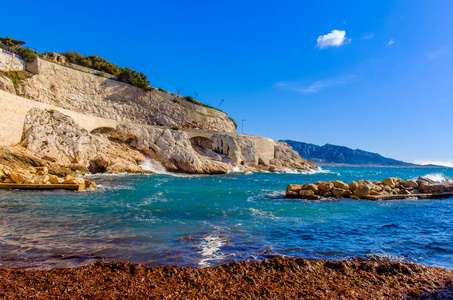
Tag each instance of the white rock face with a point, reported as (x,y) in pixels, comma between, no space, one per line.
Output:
(171,147)
(208,151)
(54,136)
(107,98)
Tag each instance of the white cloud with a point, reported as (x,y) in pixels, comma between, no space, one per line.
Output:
(446,163)
(300,87)
(391,42)
(436,54)
(368,36)
(335,38)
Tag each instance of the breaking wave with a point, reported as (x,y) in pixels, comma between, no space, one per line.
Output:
(438,177)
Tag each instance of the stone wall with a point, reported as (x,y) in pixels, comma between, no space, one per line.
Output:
(11,62)
(110,99)
(14,109)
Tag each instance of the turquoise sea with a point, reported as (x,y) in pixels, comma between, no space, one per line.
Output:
(190,220)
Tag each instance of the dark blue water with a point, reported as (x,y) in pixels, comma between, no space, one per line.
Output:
(208,220)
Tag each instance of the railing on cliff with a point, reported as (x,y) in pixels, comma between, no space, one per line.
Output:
(10,53)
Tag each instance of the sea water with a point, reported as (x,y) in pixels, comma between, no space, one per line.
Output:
(200,221)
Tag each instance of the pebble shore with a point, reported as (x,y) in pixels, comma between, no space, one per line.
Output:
(277,278)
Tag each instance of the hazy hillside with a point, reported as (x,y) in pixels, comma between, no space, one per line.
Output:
(332,154)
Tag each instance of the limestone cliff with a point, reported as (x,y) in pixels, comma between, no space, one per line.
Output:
(90,94)
(73,119)
(55,137)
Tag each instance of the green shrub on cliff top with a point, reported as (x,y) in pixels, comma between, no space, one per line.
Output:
(15,47)
(135,78)
(98,63)
(27,54)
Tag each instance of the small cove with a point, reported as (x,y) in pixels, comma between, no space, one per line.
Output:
(204,221)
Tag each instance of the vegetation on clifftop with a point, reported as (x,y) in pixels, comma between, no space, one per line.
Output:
(93,62)
(98,63)
(15,46)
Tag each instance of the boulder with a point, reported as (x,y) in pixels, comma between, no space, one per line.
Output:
(353,185)
(292,190)
(425,180)
(42,170)
(391,182)
(306,193)
(411,184)
(339,192)
(326,194)
(41,179)
(21,176)
(311,186)
(340,184)
(427,188)
(374,193)
(68,179)
(396,191)
(324,186)
(55,179)
(362,190)
(386,188)
(90,185)
(375,187)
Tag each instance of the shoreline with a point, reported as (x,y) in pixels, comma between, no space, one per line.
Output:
(279,277)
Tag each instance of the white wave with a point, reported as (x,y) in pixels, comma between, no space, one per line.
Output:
(437,177)
(261,214)
(210,247)
(101,187)
(384,258)
(153,165)
(100,175)
(318,170)
(235,169)
(157,167)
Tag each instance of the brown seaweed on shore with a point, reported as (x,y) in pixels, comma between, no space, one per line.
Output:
(278,278)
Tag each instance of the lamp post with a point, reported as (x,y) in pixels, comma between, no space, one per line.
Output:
(221,101)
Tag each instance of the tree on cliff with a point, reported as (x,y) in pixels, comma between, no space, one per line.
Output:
(179,90)
(15,46)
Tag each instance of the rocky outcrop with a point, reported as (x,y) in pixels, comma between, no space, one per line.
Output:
(389,188)
(39,176)
(16,158)
(55,137)
(213,153)
(171,147)
(141,123)
(94,95)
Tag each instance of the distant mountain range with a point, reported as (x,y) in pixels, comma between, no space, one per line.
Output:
(340,155)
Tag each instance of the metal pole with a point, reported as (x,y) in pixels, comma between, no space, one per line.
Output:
(221,101)
(243,125)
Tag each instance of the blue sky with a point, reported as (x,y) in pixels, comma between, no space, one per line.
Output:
(382,81)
